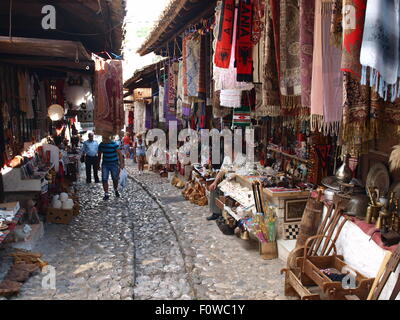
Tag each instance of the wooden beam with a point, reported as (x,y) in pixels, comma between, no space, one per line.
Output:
(160,43)
(50,62)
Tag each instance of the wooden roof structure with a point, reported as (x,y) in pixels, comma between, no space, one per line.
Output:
(50,54)
(173,21)
(143,77)
(97,24)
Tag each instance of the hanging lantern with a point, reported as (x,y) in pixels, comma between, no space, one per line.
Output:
(55,112)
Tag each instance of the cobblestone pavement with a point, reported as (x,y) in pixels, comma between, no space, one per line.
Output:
(95,255)
(149,244)
(218,266)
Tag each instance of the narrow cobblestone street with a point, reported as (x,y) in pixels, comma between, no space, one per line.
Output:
(149,244)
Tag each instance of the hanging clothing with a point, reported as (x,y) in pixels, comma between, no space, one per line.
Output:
(225,31)
(231,98)
(172,77)
(380,49)
(327,81)
(229,86)
(270,89)
(139,117)
(307,12)
(179,91)
(242,116)
(184,66)
(193,50)
(244,45)
(289,37)
(168,114)
(22,91)
(258,59)
(337,23)
(356,115)
(161,115)
(353,26)
(357,129)
(258,21)
(109,111)
(149,116)
(30,96)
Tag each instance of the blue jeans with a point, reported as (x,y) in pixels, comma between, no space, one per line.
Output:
(106,168)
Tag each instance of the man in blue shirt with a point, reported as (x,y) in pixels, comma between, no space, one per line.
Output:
(90,149)
(113,162)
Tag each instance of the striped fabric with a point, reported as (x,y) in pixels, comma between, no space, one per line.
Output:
(109,151)
(241,116)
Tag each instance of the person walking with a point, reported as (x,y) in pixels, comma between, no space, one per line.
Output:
(90,150)
(126,142)
(113,162)
(140,153)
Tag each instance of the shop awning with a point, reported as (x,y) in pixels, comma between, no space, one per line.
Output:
(45,52)
(98,24)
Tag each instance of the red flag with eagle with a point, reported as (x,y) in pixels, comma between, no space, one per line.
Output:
(244,45)
(223,49)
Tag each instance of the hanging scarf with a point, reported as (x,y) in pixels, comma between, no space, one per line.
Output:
(327,86)
(244,45)
(184,65)
(258,39)
(226,79)
(179,91)
(353,26)
(225,33)
(270,89)
(290,72)
(258,60)
(307,12)
(139,117)
(336,23)
(201,88)
(193,49)
(380,50)
(161,114)
(356,129)
(258,21)
(172,77)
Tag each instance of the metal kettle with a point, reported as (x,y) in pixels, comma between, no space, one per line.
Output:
(344,173)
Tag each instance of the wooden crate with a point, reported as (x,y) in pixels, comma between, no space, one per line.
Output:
(59,216)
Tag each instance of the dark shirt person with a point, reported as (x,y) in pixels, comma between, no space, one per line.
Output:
(90,150)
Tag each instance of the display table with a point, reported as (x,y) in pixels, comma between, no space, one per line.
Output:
(290,204)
